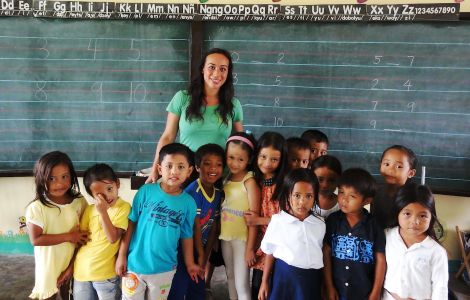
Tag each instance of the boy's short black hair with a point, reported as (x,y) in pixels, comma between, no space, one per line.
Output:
(360,180)
(98,172)
(208,149)
(315,135)
(297,143)
(176,148)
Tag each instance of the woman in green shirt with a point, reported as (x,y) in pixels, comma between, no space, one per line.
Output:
(207,112)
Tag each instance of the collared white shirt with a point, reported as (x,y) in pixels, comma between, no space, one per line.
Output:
(419,272)
(298,243)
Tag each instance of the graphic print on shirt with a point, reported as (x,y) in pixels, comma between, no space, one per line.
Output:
(352,248)
(165,216)
(227,212)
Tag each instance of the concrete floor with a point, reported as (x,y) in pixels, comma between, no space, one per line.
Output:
(17,278)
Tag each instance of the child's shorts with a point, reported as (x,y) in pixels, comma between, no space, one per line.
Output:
(155,286)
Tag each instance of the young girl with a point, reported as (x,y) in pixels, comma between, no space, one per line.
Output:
(293,242)
(268,170)
(416,262)
(106,220)
(328,169)
(241,194)
(53,219)
(397,166)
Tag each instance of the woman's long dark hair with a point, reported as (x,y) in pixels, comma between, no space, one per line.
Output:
(226,92)
(43,170)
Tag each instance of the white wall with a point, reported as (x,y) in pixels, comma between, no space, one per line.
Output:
(17,192)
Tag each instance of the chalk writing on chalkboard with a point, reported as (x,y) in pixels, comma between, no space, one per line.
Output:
(95,90)
(391,84)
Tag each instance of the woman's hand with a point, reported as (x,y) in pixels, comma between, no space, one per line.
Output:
(153,177)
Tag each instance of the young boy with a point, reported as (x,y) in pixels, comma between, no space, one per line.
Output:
(318,142)
(209,162)
(106,220)
(298,153)
(162,214)
(354,244)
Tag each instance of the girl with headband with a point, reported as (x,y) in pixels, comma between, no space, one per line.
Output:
(242,194)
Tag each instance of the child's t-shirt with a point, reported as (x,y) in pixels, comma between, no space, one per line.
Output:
(51,261)
(353,253)
(160,221)
(417,272)
(96,259)
(208,207)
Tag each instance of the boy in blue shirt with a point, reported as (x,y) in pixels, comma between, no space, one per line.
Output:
(162,214)
(354,244)
(209,162)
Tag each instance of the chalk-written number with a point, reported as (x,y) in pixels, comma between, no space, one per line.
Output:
(278,122)
(138,92)
(40,94)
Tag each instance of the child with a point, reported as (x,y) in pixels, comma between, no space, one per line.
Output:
(416,263)
(293,242)
(397,165)
(53,219)
(241,194)
(162,214)
(354,244)
(328,169)
(106,220)
(298,153)
(318,143)
(269,171)
(209,162)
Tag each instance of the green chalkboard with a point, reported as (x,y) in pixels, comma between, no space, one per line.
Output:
(367,86)
(95,89)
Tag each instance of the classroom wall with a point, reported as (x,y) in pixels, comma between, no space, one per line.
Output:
(16,192)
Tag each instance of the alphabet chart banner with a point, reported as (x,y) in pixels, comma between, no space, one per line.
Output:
(209,10)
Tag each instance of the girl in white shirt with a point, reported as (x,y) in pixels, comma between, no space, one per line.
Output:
(416,262)
(293,242)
